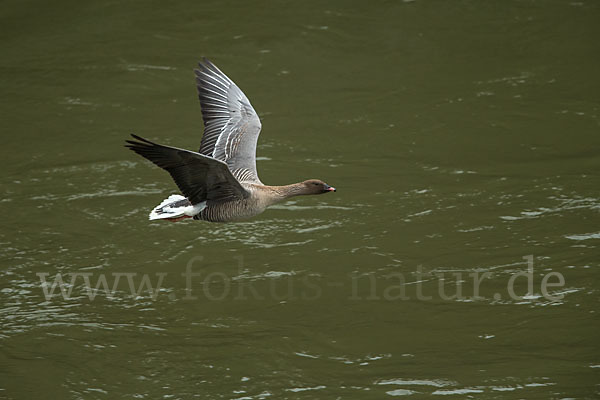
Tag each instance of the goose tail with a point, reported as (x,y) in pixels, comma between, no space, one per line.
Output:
(175,208)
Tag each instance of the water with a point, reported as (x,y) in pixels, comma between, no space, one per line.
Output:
(462,138)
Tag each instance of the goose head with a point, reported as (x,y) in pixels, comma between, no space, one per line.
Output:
(316,186)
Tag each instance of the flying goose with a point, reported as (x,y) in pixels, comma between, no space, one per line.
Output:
(219,183)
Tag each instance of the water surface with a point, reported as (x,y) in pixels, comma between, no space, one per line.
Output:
(462,137)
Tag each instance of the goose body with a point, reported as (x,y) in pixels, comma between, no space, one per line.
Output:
(219,183)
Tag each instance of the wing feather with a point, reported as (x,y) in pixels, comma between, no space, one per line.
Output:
(231,126)
(200,178)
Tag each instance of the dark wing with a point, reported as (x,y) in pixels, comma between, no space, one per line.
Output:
(231,126)
(200,178)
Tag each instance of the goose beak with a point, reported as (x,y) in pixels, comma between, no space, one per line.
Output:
(329,189)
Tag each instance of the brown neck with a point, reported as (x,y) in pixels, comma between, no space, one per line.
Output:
(295,189)
(281,193)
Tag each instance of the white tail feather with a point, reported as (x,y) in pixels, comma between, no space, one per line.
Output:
(163,211)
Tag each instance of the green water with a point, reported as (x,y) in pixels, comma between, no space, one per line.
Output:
(463,139)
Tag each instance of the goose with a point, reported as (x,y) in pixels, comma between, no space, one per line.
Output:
(219,183)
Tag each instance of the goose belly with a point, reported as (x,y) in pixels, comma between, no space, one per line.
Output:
(229,212)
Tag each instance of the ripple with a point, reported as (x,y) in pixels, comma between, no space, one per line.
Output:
(303,389)
(445,392)
(566,205)
(144,67)
(400,392)
(417,382)
(585,236)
